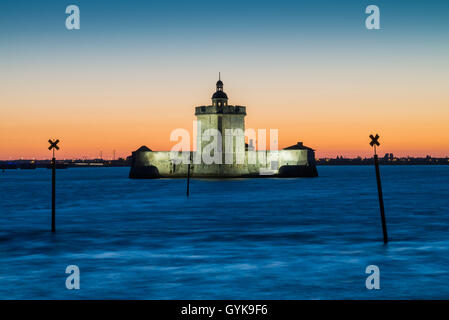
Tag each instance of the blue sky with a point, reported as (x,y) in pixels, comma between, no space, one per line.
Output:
(312,61)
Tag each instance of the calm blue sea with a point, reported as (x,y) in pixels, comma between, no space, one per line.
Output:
(232,239)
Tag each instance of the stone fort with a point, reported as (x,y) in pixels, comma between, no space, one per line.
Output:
(221,138)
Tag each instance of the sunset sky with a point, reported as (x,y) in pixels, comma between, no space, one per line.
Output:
(136,69)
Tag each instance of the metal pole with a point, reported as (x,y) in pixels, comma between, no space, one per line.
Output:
(188,178)
(381,200)
(53,193)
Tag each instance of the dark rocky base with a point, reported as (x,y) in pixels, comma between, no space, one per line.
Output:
(298,172)
(148,172)
(151,172)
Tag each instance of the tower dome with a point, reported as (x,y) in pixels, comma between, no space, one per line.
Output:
(219,98)
(219,95)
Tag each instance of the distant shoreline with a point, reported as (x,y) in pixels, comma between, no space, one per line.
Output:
(62,164)
(96,163)
(388,159)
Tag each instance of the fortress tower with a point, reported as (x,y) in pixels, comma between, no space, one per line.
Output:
(220,150)
(227,120)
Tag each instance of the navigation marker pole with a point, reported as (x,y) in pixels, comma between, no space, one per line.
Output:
(375,142)
(188,176)
(53,146)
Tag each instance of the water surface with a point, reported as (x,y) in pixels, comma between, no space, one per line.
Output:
(232,239)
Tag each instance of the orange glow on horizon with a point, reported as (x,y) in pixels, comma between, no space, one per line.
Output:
(123,116)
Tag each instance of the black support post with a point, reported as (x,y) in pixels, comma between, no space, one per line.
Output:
(53,195)
(188,178)
(381,200)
